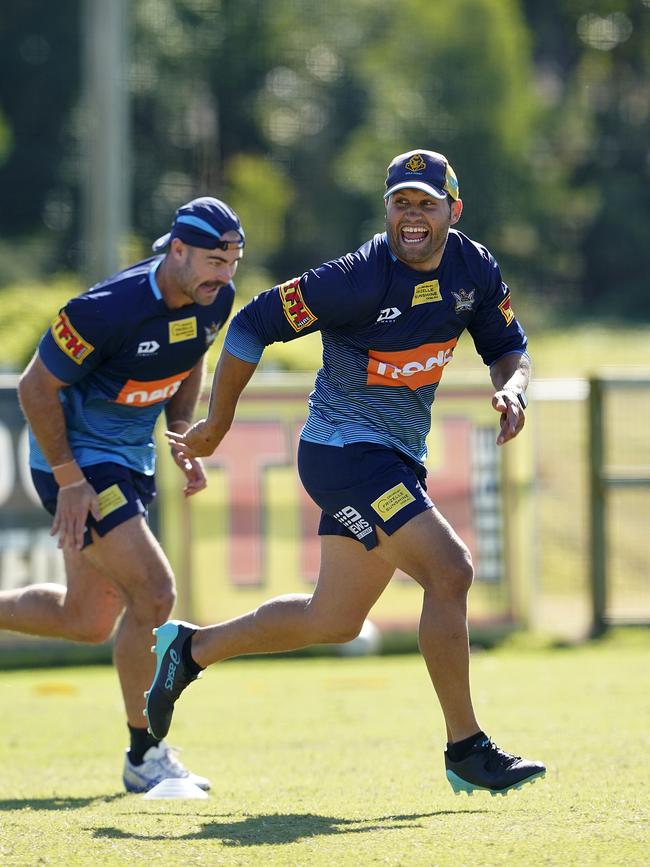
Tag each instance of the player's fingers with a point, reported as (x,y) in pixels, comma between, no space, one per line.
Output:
(95,511)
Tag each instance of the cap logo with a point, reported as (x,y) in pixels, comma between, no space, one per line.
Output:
(415,164)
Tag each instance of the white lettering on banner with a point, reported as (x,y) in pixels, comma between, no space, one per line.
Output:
(29,557)
(7,468)
(411,367)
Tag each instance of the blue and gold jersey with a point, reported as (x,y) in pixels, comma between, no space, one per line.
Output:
(388,333)
(124,354)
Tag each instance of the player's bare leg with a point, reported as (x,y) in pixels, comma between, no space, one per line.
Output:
(428,549)
(84,610)
(350,581)
(139,568)
(131,555)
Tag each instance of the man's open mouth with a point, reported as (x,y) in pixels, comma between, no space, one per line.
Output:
(413,234)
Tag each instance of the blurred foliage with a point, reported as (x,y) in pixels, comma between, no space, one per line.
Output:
(291,111)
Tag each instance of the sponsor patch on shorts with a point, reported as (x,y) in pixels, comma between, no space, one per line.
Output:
(182,329)
(111,499)
(392,500)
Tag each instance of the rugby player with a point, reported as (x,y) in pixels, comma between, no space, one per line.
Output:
(113,359)
(390,315)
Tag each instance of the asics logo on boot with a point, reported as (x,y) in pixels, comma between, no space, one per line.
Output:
(171,671)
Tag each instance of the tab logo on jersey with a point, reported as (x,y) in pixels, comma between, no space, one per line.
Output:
(142,393)
(506,310)
(412,368)
(182,329)
(298,315)
(69,340)
(392,500)
(426,293)
(111,499)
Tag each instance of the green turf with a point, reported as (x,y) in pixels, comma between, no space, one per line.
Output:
(337,762)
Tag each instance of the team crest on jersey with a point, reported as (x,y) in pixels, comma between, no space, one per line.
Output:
(506,310)
(69,340)
(426,293)
(464,300)
(211,332)
(298,315)
(182,329)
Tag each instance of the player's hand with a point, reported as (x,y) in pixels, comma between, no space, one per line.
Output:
(72,507)
(195,478)
(512,415)
(199,441)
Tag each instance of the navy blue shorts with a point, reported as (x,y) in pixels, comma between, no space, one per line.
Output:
(362,486)
(122,494)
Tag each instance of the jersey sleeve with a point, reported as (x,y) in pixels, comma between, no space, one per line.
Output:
(494,328)
(74,343)
(333,295)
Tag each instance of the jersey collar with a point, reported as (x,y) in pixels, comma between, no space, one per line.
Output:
(152,279)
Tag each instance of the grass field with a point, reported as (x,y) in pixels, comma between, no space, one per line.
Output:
(337,762)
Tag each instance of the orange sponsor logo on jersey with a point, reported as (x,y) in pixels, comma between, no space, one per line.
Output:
(413,368)
(137,393)
(296,311)
(69,340)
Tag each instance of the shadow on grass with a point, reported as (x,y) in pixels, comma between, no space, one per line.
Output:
(57,803)
(284,828)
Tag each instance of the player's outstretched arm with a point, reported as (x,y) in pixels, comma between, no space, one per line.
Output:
(510,375)
(230,378)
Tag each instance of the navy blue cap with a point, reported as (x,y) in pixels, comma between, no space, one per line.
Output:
(201,223)
(424,170)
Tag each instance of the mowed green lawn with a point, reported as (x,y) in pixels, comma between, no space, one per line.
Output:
(333,762)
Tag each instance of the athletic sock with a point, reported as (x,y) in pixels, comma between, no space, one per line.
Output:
(188,660)
(459,750)
(141,741)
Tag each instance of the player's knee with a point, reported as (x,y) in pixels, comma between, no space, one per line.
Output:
(153,604)
(333,628)
(459,573)
(92,631)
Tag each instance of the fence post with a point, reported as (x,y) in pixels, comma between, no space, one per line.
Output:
(598,509)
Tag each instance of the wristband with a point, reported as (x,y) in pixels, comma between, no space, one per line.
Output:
(68,474)
(72,485)
(521,397)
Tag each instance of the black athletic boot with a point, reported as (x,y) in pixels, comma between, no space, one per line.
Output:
(171,677)
(490,769)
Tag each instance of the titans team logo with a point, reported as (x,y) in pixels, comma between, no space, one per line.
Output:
(415,164)
(464,300)
(211,332)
